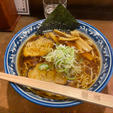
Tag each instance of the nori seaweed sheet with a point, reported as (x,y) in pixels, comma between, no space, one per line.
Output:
(60,18)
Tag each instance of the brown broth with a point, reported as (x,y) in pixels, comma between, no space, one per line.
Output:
(24,64)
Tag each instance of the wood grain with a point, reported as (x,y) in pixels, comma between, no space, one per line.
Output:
(8,15)
(12,102)
(75,93)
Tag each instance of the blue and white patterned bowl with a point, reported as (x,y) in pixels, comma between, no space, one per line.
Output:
(101,42)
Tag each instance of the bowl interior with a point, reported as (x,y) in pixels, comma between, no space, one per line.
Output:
(18,40)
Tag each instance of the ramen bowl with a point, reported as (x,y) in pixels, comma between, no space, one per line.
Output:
(104,47)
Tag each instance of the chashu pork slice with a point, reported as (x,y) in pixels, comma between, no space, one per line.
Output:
(48,76)
(39,47)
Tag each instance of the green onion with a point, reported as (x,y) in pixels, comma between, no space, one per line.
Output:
(64,59)
(44,67)
(71,78)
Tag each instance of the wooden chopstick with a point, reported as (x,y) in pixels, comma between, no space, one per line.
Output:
(75,93)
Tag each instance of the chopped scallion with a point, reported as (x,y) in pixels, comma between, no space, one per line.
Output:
(44,67)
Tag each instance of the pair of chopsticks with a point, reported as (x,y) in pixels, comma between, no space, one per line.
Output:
(75,93)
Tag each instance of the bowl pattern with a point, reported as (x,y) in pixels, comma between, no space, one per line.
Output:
(18,40)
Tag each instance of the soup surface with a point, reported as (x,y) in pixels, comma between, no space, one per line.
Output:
(70,59)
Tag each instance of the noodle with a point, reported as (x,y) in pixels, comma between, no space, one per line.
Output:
(61,61)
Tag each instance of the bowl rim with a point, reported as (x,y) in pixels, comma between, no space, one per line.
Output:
(69,104)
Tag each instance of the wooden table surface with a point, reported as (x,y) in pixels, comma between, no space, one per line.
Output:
(12,102)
